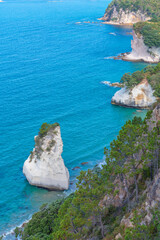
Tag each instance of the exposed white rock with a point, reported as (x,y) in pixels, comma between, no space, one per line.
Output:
(113,16)
(140,52)
(45,166)
(118,236)
(141,96)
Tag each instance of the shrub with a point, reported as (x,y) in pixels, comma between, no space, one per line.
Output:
(46,127)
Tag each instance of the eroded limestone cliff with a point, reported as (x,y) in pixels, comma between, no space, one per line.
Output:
(141,52)
(120,16)
(141,96)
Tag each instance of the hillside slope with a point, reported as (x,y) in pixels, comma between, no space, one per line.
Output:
(119,201)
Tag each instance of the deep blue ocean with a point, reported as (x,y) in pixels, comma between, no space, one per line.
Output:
(52,63)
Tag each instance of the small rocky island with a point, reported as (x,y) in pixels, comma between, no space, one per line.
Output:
(45,167)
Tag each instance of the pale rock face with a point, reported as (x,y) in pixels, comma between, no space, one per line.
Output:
(140,52)
(152,122)
(124,17)
(118,236)
(45,167)
(141,96)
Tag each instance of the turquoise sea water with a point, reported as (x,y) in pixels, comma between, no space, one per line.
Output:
(51,69)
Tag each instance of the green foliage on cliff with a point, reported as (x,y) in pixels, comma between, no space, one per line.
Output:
(42,223)
(150,7)
(83,215)
(151,73)
(131,80)
(144,232)
(46,127)
(150,32)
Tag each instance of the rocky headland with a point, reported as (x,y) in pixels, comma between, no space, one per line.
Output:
(123,17)
(121,12)
(45,167)
(139,89)
(142,52)
(141,96)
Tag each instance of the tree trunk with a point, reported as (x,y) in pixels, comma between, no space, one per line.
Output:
(136,186)
(126,189)
(101,223)
(157,159)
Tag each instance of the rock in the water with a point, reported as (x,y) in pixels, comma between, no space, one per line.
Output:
(45,167)
(115,84)
(140,52)
(141,96)
(75,168)
(84,163)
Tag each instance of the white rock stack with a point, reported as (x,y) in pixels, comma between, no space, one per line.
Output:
(141,96)
(140,52)
(45,167)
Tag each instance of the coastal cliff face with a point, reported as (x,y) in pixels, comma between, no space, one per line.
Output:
(141,96)
(45,166)
(141,52)
(150,193)
(114,16)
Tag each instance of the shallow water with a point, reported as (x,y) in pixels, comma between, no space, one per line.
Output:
(51,69)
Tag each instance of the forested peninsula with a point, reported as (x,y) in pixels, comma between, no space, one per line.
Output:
(121,199)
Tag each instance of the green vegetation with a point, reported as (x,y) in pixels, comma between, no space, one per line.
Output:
(151,73)
(150,7)
(144,232)
(46,127)
(42,223)
(150,32)
(131,161)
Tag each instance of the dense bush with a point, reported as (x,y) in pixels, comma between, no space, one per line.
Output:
(150,32)
(131,80)
(42,223)
(151,7)
(144,232)
(46,127)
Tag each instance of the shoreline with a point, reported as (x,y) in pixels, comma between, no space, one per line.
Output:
(123,56)
(11,232)
(119,24)
(127,106)
(114,23)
